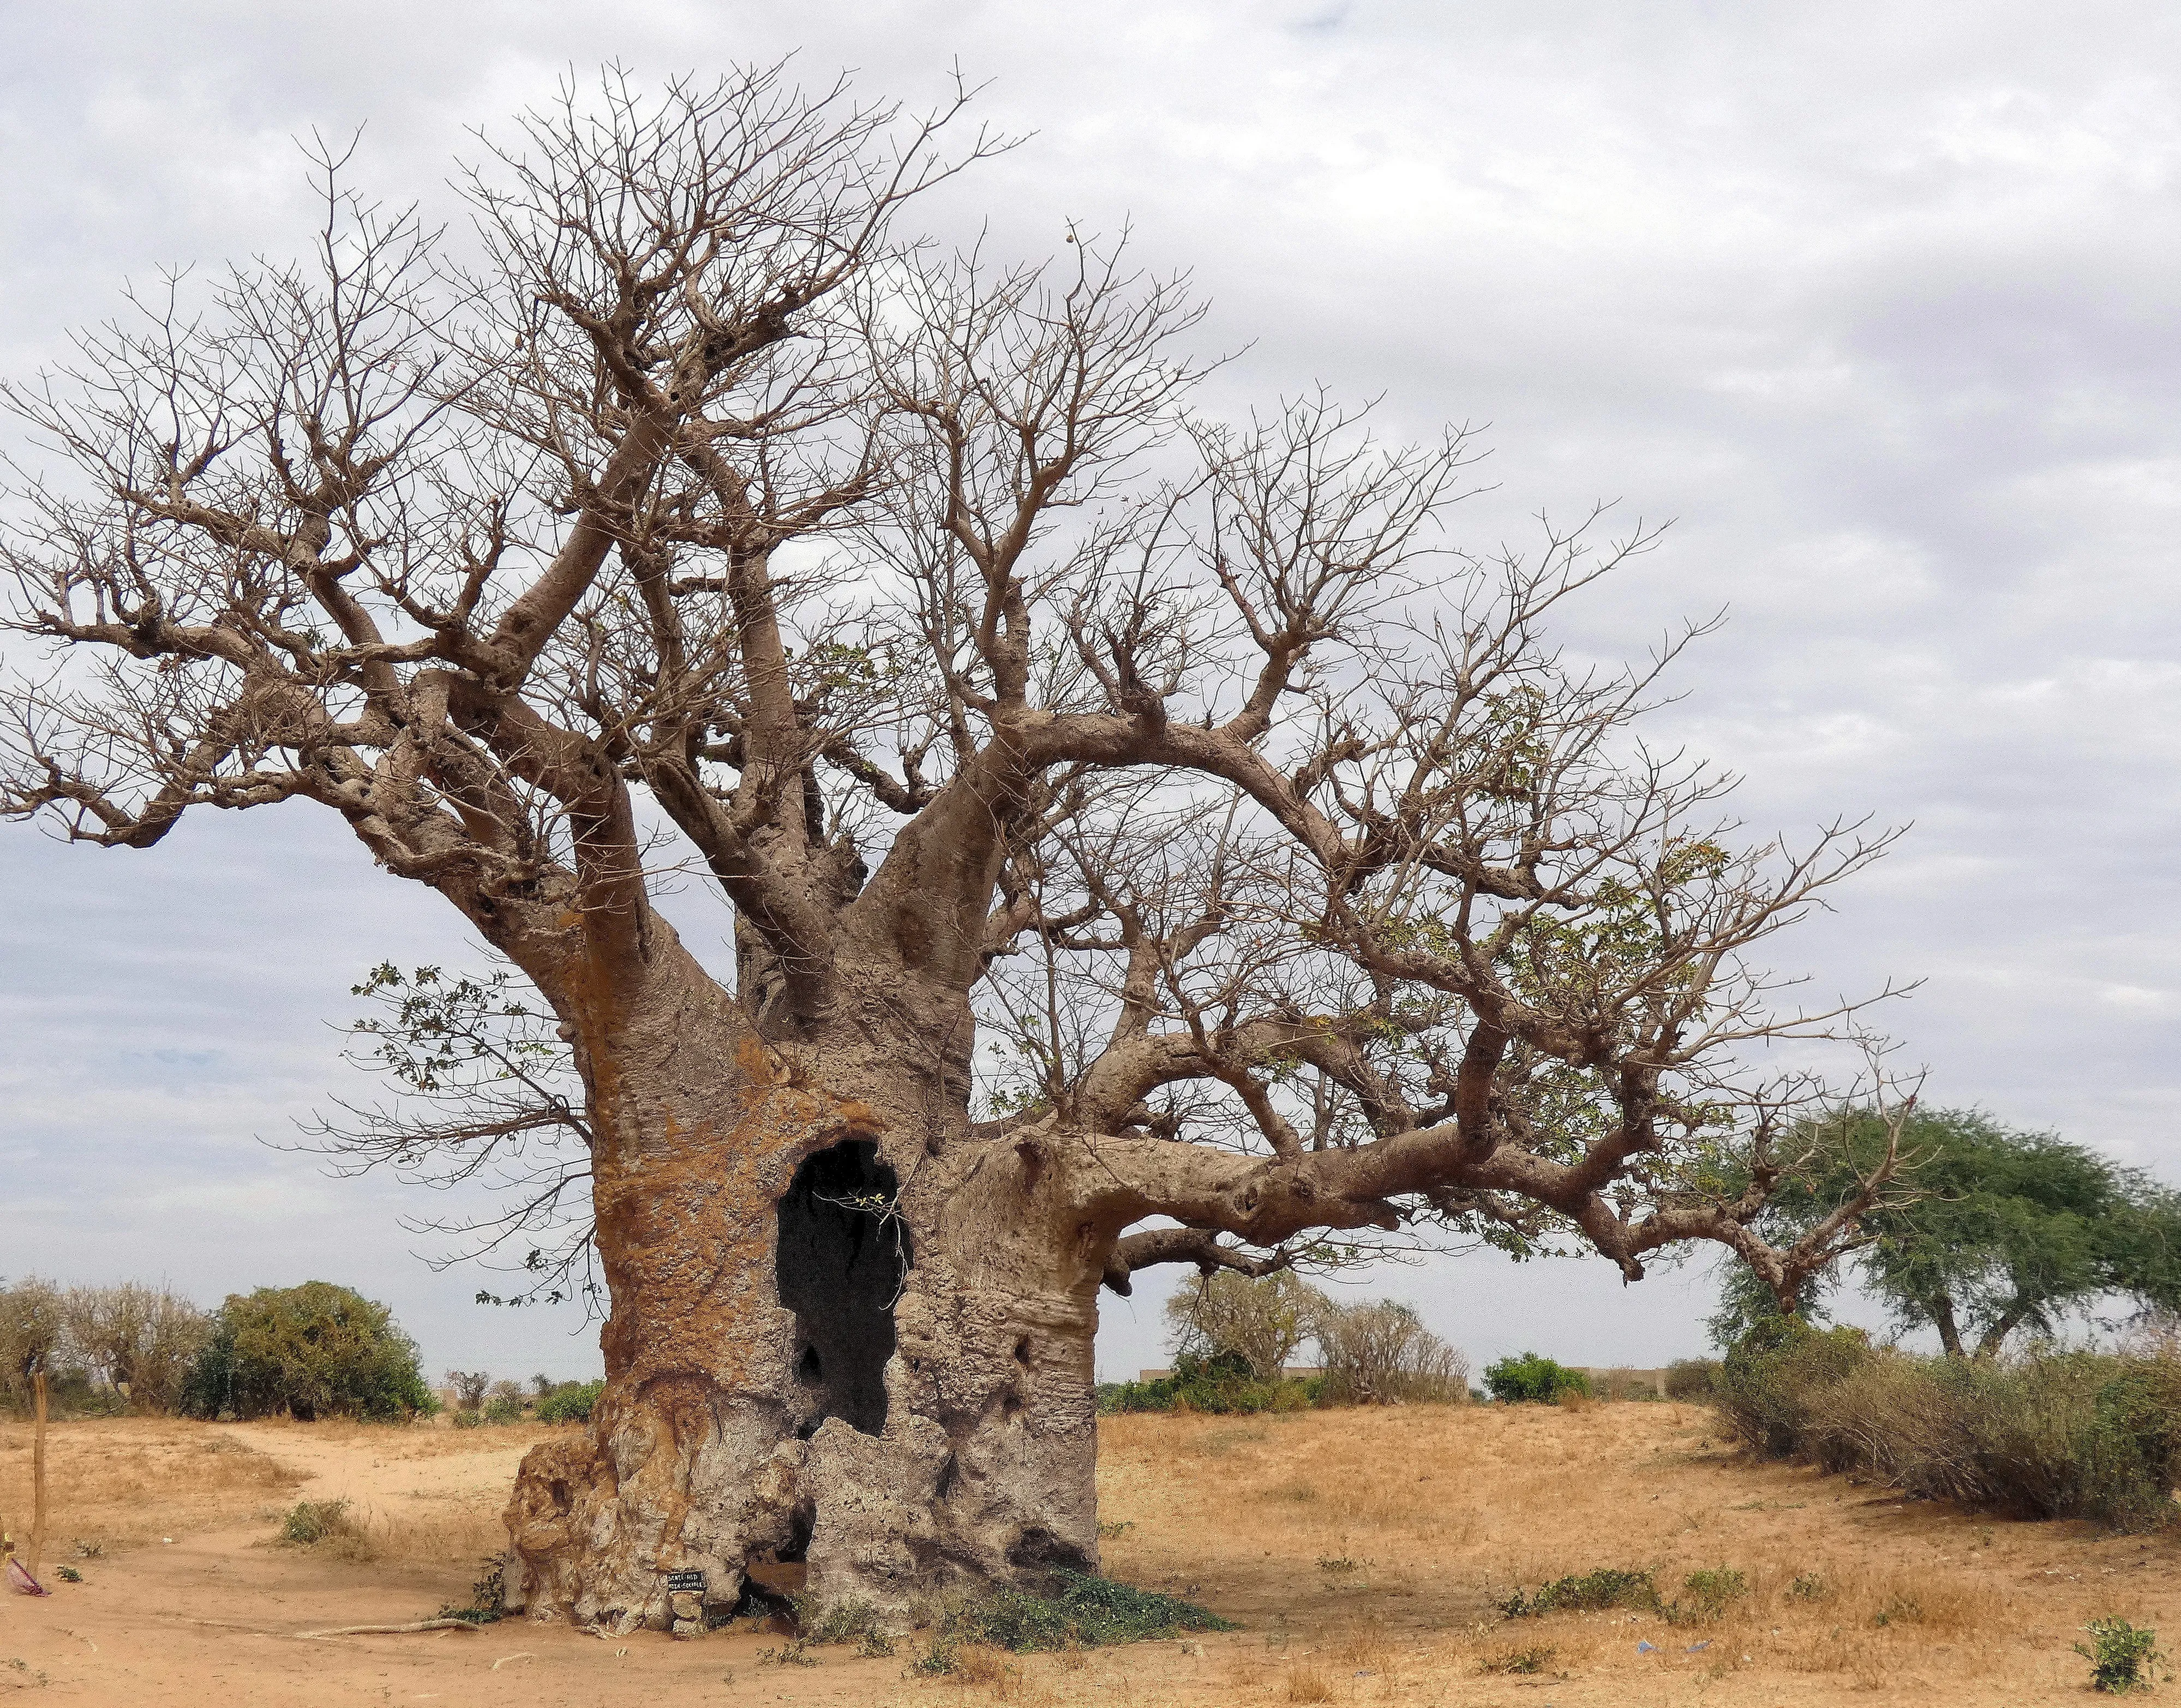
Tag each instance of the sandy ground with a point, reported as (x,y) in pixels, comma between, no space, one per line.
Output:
(1361,1551)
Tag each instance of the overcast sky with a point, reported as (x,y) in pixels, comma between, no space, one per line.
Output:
(1878,302)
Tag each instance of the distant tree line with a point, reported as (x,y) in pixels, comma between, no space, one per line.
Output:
(1234,1337)
(308,1351)
(116,1348)
(479,1399)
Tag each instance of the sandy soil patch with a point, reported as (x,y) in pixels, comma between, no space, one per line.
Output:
(1363,1552)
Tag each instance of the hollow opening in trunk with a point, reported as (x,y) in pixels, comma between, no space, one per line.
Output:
(842,1256)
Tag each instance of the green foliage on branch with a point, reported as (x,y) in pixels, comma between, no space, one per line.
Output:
(2011,1230)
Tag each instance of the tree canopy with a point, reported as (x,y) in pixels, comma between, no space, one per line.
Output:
(2008,1229)
(313,1350)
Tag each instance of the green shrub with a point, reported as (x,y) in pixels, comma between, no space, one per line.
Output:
(311,1351)
(850,1621)
(571,1402)
(488,1590)
(1709,1592)
(1765,1384)
(1593,1592)
(502,1410)
(2121,1656)
(1529,1378)
(1220,1384)
(1076,1611)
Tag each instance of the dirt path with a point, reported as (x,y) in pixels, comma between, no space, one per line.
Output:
(1363,1552)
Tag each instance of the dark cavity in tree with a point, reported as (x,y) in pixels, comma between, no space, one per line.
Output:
(842,1256)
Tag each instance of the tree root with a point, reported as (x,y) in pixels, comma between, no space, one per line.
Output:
(391,1630)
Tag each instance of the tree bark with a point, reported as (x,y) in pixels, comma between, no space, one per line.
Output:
(845,1332)
(1950,1334)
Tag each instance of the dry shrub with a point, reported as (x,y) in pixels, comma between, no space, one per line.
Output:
(1537,1658)
(1307,1681)
(1623,1382)
(1366,1648)
(1263,1320)
(1382,1354)
(2071,1435)
(2048,1435)
(993,1670)
(444,1530)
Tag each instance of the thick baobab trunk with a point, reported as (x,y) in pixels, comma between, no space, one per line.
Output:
(840,1337)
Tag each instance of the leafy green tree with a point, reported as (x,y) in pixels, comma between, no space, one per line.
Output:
(311,1351)
(2009,1230)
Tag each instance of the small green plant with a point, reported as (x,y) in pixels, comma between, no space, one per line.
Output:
(1534,1659)
(1335,1563)
(1075,1612)
(937,1661)
(793,1653)
(1809,1587)
(488,1593)
(852,1620)
(467,1420)
(502,1409)
(69,1574)
(1106,1533)
(88,1551)
(1709,1592)
(2122,1655)
(1593,1592)
(309,1522)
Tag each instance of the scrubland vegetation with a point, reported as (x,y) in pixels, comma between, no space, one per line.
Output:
(2045,1434)
(1422,1553)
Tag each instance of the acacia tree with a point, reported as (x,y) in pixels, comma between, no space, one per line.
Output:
(2009,1231)
(701,521)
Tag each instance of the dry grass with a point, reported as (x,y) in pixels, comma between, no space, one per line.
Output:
(447,1530)
(1374,1546)
(1364,1552)
(126,1481)
(430,1439)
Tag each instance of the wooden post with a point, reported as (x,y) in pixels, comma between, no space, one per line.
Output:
(38,1474)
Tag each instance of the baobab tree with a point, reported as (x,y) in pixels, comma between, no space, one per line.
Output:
(1280,879)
